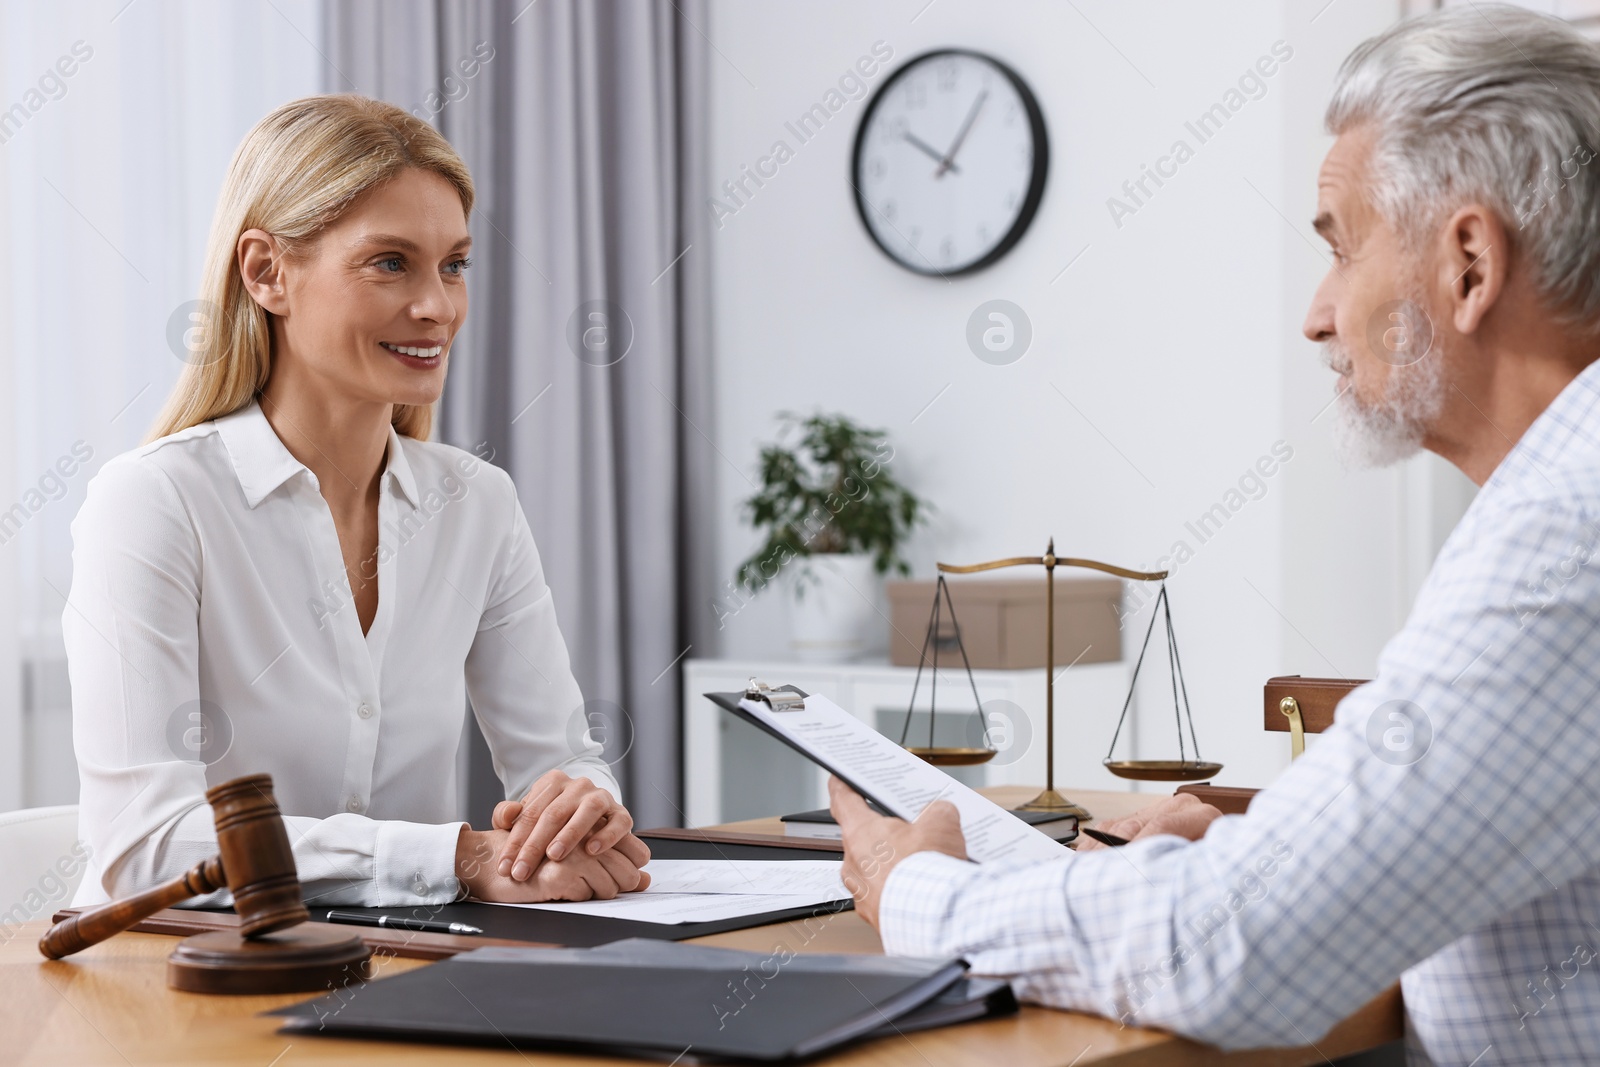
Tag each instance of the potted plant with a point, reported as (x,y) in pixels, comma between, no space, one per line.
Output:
(834,520)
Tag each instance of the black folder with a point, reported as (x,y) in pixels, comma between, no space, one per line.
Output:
(651,998)
(577,930)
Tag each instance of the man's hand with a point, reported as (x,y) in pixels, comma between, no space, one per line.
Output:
(560,814)
(873,844)
(1183,814)
(578,877)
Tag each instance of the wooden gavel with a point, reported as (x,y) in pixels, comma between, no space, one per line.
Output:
(255,862)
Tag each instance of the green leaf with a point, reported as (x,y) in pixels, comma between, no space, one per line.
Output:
(816,498)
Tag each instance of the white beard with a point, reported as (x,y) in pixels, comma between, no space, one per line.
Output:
(1383,433)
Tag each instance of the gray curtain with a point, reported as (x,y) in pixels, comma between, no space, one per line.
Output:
(585,361)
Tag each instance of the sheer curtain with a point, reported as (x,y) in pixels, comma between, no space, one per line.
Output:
(585,364)
(117,121)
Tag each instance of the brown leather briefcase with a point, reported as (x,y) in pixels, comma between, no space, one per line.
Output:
(1293,705)
(1315,699)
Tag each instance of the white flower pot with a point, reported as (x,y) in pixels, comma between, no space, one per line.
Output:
(837,614)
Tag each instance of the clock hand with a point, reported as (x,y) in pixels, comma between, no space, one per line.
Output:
(948,162)
(932,152)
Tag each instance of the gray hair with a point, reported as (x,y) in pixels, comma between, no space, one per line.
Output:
(1494,104)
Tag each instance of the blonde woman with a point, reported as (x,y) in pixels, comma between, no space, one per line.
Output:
(289,577)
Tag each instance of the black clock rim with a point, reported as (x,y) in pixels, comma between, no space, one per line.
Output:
(1036,182)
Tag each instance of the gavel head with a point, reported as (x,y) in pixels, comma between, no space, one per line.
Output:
(256,857)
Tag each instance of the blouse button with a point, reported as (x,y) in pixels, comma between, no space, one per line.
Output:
(365,711)
(353,804)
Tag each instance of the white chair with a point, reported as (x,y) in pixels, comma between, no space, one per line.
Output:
(41,862)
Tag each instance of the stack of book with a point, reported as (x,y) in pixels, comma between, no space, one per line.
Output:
(820,823)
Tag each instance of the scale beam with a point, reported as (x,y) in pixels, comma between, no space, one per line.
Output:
(1055,561)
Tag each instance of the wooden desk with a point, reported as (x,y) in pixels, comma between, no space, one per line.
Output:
(110,1007)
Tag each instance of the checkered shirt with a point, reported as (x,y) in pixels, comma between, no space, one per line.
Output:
(1442,832)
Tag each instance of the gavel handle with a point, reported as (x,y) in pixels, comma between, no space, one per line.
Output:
(78,932)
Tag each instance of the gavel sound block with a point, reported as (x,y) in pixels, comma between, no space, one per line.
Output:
(275,949)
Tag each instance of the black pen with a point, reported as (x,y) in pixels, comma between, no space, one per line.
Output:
(400,922)
(1104,838)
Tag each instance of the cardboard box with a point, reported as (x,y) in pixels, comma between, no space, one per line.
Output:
(1003,622)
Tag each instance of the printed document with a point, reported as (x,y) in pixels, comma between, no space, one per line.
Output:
(694,891)
(901,782)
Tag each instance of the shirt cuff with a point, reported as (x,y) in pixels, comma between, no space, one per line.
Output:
(597,772)
(917,900)
(415,863)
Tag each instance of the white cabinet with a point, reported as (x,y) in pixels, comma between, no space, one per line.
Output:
(734,771)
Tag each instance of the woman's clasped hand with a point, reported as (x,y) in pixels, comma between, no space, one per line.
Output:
(567,839)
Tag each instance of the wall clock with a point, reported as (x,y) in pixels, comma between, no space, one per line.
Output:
(950,162)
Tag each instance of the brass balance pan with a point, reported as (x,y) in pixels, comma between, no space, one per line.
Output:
(952,757)
(1163,770)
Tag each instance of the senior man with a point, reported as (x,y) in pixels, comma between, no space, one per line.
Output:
(1445,830)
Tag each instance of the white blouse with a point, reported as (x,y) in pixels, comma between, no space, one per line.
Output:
(211,633)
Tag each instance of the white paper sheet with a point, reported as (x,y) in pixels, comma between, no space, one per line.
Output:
(782,877)
(683,891)
(901,782)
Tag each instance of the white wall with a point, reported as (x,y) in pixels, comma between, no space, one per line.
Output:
(1175,337)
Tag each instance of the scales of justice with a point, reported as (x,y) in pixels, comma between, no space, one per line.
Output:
(1182,769)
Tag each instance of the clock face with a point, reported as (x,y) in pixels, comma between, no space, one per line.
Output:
(950,162)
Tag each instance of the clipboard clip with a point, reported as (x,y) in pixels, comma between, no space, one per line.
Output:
(776,699)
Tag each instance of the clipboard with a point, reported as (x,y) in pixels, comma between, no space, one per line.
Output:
(730,702)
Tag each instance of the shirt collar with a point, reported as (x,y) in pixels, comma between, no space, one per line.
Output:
(262,463)
(259,458)
(399,469)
